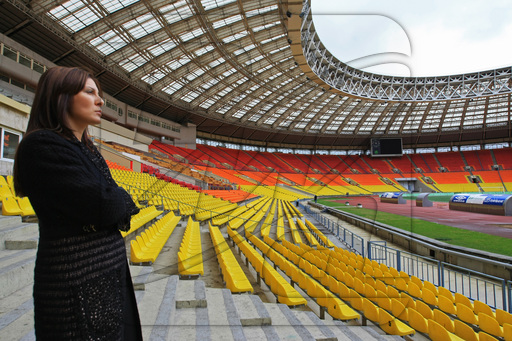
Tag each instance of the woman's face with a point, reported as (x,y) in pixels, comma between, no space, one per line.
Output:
(85,107)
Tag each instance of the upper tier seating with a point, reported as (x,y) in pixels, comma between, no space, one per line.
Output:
(419,161)
(431,161)
(451,161)
(485,158)
(472,159)
(294,162)
(503,157)
(271,160)
(354,163)
(378,164)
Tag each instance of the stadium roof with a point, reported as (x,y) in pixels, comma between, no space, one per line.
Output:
(254,71)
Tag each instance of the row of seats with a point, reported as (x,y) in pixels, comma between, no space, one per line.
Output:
(335,307)
(234,276)
(148,245)
(267,223)
(387,290)
(323,240)
(278,285)
(309,236)
(213,210)
(145,215)
(387,319)
(190,255)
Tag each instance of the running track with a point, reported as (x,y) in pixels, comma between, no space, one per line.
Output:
(441,214)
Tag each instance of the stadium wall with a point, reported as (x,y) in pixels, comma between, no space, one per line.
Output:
(13,119)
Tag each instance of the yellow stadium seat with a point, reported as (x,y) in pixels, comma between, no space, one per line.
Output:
(380,285)
(401,284)
(424,310)
(459,298)
(429,297)
(417,321)
(446,305)
(507,331)
(481,307)
(399,310)
(359,286)
(417,281)
(356,301)
(370,310)
(464,331)
(10,206)
(428,285)
(503,317)
(489,325)
(393,326)
(438,332)
(5,191)
(383,300)
(340,311)
(465,313)
(407,300)
(414,290)
(25,206)
(444,320)
(446,293)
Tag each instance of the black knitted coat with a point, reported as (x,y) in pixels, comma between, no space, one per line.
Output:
(82,283)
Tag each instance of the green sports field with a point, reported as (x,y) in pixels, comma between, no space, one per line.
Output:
(444,233)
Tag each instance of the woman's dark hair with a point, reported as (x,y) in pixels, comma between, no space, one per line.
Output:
(52,102)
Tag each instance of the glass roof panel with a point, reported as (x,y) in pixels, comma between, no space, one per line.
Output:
(226,21)
(162,47)
(114,5)
(211,4)
(108,42)
(176,11)
(142,26)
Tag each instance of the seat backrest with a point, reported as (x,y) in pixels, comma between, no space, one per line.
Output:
(424,310)
(437,331)
(481,307)
(446,293)
(464,331)
(444,320)
(446,305)
(466,314)
(489,325)
(418,322)
(459,298)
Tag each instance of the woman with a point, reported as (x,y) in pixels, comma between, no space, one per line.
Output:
(82,284)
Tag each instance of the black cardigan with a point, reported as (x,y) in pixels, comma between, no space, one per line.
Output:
(70,187)
(82,283)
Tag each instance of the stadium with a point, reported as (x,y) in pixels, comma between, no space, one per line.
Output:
(284,194)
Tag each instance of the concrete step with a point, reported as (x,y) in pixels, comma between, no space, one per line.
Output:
(9,221)
(15,235)
(251,310)
(17,315)
(190,294)
(157,306)
(223,316)
(16,270)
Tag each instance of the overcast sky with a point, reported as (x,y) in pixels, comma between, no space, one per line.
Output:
(417,38)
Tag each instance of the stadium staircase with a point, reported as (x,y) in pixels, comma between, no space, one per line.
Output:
(170,308)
